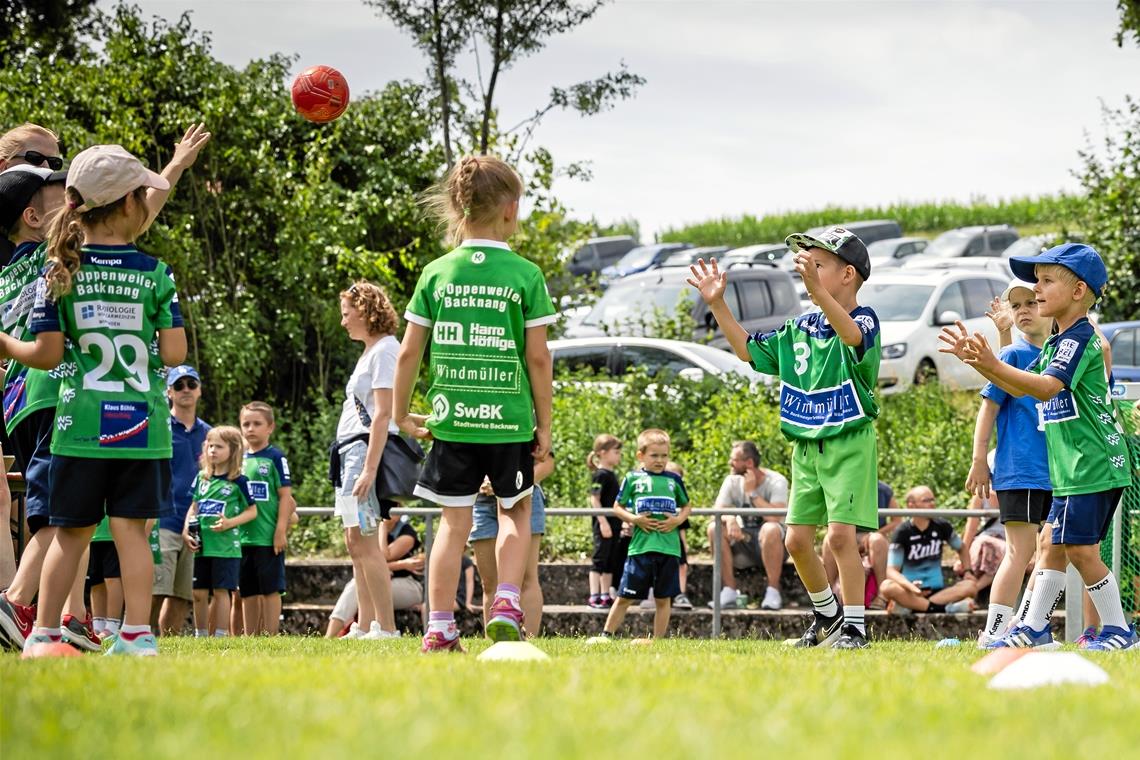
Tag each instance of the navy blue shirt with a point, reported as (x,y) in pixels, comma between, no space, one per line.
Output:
(184,467)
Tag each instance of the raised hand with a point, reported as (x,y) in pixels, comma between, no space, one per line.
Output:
(978,353)
(954,339)
(709,281)
(187,149)
(805,266)
(1001,316)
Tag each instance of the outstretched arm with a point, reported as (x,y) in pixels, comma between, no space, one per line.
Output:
(837,316)
(711,283)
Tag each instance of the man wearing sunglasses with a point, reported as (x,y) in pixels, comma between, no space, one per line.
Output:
(173,580)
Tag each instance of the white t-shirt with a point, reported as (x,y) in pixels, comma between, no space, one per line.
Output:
(376,368)
(774,489)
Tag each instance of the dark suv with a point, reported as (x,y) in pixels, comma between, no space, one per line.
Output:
(599,253)
(760,296)
(971,241)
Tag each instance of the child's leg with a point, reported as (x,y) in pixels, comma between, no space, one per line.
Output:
(444,564)
(1101,584)
(1021,544)
(201,611)
(250,615)
(136,564)
(484,551)
(220,609)
(99,602)
(75,605)
(531,596)
(661,617)
(878,549)
(801,546)
(841,538)
(114,603)
(1091,616)
(595,582)
(606,580)
(617,615)
(512,545)
(58,572)
(270,614)
(829,566)
(237,614)
(26,583)
(7,551)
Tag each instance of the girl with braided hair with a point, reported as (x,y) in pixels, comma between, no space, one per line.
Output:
(484,310)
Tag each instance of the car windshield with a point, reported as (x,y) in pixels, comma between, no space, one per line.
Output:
(882,249)
(895,302)
(950,243)
(632,303)
(637,258)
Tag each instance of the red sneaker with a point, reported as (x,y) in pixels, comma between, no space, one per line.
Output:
(434,641)
(80,634)
(16,620)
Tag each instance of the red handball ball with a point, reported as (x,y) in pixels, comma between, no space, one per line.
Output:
(320,94)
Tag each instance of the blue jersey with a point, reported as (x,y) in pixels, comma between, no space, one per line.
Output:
(1022,460)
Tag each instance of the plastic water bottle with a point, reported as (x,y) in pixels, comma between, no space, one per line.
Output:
(195,533)
(741,601)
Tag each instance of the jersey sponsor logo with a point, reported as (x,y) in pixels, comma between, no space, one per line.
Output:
(1060,408)
(518,479)
(211,508)
(825,407)
(18,307)
(1117,462)
(489,336)
(440,407)
(657,505)
(928,550)
(476,373)
(866,323)
(105,262)
(1066,350)
(93,315)
(227,490)
(448,334)
(480,412)
(259,490)
(123,424)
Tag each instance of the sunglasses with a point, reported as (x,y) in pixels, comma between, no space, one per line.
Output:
(35,158)
(180,385)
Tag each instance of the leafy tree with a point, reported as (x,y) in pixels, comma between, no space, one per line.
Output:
(46,28)
(1111,212)
(1129,21)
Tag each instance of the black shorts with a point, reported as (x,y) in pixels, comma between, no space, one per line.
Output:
(217,572)
(84,489)
(31,446)
(262,571)
(1028,505)
(652,570)
(605,549)
(103,564)
(453,472)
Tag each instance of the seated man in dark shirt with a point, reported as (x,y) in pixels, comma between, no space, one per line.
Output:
(914,565)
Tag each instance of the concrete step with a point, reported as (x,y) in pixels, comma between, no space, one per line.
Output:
(579,620)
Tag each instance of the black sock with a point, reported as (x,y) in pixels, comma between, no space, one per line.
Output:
(936,607)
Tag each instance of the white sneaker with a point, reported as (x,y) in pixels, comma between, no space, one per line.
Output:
(985,641)
(772,600)
(354,632)
(389,634)
(375,632)
(727,597)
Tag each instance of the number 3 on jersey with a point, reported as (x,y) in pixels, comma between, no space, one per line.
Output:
(109,350)
(802,350)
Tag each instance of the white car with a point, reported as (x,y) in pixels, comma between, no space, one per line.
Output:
(892,252)
(613,356)
(913,306)
(920,263)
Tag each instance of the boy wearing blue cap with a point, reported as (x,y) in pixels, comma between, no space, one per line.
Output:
(1088,458)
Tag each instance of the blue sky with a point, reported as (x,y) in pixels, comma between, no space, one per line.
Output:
(758,107)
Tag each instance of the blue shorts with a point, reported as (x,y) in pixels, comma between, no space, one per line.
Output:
(1083,519)
(31,445)
(217,572)
(485,516)
(262,571)
(652,570)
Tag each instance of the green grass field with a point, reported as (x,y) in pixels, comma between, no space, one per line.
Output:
(313,698)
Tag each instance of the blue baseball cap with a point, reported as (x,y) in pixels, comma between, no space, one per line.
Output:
(177,373)
(1080,259)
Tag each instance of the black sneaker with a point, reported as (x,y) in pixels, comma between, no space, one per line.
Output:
(822,631)
(850,638)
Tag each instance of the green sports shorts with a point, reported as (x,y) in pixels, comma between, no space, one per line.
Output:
(835,480)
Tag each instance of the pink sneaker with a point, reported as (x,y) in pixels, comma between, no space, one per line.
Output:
(434,641)
(506,621)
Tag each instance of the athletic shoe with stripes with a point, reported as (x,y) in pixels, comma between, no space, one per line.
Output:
(141,645)
(1024,637)
(823,631)
(16,620)
(80,634)
(506,621)
(435,641)
(850,638)
(1113,638)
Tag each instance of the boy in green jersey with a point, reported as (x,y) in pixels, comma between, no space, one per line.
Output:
(262,577)
(1088,456)
(828,364)
(655,503)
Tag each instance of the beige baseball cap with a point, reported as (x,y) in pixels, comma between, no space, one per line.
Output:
(103,174)
(1014,284)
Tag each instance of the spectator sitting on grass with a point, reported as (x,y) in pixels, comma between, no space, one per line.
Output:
(914,568)
(751,541)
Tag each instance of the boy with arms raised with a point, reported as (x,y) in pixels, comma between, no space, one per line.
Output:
(828,363)
(1088,457)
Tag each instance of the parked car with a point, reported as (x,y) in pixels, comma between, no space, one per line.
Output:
(1124,340)
(599,253)
(893,251)
(690,255)
(921,263)
(615,356)
(972,242)
(761,297)
(640,259)
(765,252)
(1035,244)
(869,231)
(913,307)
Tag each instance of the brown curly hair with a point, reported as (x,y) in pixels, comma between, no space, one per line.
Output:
(373,304)
(473,192)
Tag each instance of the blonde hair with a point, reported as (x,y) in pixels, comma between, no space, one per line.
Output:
(1069,277)
(603,443)
(230,436)
(373,304)
(66,234)
(675,468)
(13,140)
(473,193)
(651,437)
(258,407)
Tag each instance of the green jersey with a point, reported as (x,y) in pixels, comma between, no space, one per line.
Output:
(218,497)
(112,403)
(479,301)
(102,530)
(1084,439)
(660,495)
(267,471)
(827,388)
(26,390)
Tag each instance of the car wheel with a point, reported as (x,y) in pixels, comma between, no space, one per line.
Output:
(925,373)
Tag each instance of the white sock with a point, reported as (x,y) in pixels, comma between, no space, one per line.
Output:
(134,630)
(1048,588)
(1023,608)
(112,626)
(220,632)
(824,602)
(855,614)
(55,634)
(99,625)
(1105,595)
(201,633)
(997,618)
